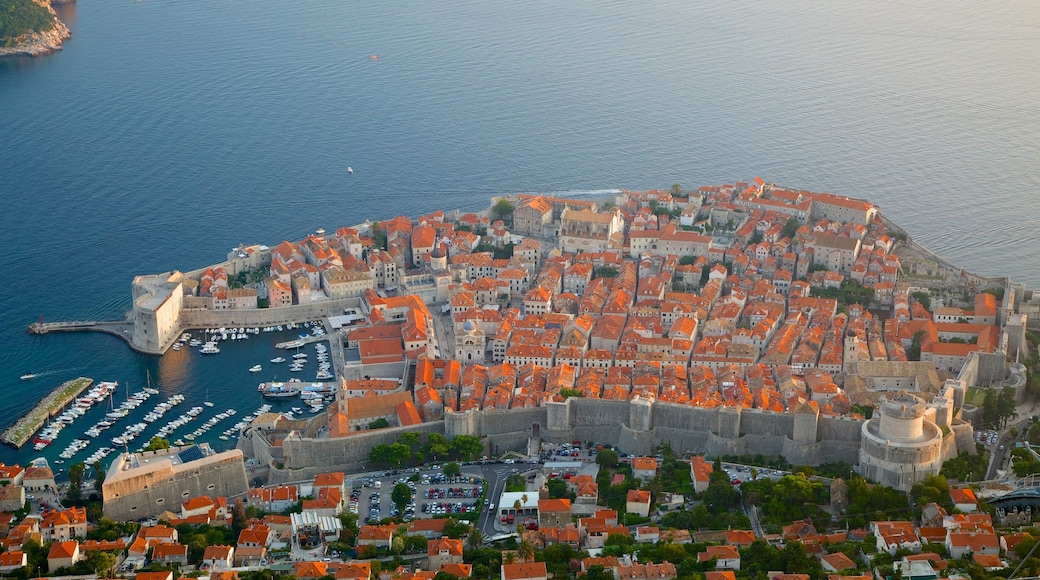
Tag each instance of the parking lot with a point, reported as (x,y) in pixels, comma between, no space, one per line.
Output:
(986,437)
(432,495)
(440,495)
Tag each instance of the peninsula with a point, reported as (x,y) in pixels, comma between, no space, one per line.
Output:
(767,326)
(30,28)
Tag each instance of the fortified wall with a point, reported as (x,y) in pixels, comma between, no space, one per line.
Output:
(803,436)
(146,484)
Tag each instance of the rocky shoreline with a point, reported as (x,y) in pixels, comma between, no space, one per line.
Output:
(40,43)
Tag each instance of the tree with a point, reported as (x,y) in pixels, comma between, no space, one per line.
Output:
(467,447)
(605,272)
(101,562)
(392,454)
(475,539)
(380,423)
(566,392)
(99,476)
(156,444)
(75,480)
(436,446)
(790,228)
(525,551)
(607,458)
(452,469)
(597,572)
(502,208)
(401,496)
(397,545)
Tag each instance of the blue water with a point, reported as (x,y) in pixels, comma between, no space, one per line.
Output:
(166,133)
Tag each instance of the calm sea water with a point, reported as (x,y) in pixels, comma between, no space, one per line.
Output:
(168,132)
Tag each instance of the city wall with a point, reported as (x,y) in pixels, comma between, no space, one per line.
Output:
(636,427)
(201,318)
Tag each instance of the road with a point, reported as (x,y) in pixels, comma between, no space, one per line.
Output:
(495,474)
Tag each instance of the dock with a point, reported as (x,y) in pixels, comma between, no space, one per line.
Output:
(23,429)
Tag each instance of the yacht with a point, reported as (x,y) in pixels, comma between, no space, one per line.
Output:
(278,360)
(210,348)
(255,368)
(28,376)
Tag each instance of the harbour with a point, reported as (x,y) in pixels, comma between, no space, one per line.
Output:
(22,431)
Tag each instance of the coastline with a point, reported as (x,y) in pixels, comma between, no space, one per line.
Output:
(41,43)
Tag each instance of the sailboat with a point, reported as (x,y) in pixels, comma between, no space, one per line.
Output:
(207,402)
(149,389)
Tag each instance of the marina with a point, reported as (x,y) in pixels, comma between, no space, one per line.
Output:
(20,433)
(78,432)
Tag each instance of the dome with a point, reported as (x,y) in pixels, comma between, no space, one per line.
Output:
(469,326)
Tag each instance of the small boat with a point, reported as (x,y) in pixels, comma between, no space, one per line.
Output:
(278,360)
(350,170)
(28,376)
(255,368)
(207,403)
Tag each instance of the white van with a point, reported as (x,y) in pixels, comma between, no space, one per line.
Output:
(379,484)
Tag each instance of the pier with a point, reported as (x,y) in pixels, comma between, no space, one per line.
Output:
(19,433)
(122,328)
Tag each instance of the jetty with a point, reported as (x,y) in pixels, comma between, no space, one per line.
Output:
(122,328)
(20,433)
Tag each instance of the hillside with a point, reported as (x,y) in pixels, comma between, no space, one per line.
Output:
(29,27)
(18,17)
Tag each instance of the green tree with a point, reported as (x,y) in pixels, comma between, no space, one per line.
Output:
(525,551)
(605,272)
(467,447)
(99,476)
(607,458)
(101,563)
(436,446)
(566,392)
(452,469)
(475,539)
(380,423)
(157,444)
(790,228)
(503,208)
(597,572)
(932,488)
(401,495)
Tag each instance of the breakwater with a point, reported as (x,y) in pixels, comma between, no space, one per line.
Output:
(19,433)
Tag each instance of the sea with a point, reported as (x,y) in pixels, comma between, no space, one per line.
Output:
(168,132)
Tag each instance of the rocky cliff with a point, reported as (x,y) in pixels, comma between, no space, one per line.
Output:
(38,42)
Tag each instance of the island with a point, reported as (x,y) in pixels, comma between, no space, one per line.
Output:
(791,360)
(30,28)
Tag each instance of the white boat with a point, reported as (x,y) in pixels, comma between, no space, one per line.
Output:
(210,348)
(278,360)
(255,368)
(207,403)
(350,170)
(28,376)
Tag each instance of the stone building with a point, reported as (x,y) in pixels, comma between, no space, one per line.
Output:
(590,231)
(140,485)
(900,447)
